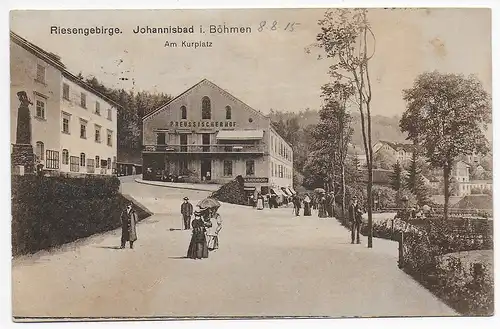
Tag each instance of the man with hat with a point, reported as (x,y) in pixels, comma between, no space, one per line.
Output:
(187,212)
(355,213)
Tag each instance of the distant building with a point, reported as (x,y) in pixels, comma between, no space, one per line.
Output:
(207,134)
(74,127)
(401,152)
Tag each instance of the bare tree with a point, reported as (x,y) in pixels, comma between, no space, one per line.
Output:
(347,38)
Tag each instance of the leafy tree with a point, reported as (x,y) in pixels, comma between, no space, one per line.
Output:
(345,36)
(415,181)
(384,197)
(412,198)
(447,115)
(336,123)
(396,177)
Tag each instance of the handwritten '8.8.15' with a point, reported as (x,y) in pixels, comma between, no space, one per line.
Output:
(274,26)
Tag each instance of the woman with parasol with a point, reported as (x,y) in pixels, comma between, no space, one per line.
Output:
(198,247)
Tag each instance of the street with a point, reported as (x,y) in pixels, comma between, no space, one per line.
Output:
(270,263)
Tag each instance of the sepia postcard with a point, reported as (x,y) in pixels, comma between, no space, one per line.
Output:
(251,163)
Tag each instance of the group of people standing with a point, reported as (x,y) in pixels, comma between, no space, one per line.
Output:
(205,226)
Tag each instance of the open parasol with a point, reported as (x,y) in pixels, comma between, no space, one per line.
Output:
(319,190)
(208,203)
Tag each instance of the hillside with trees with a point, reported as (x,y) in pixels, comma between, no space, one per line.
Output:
(383,128)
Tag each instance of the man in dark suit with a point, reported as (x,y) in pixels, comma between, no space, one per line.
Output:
(355,213)
(187,212)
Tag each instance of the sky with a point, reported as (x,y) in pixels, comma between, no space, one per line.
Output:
(268,69)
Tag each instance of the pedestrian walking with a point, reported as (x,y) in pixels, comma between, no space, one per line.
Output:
(213,230)
(260,202)
(321,206)
(307,205)
(198,247)
(296,204)
(129,221)
(355,213)
(187,212)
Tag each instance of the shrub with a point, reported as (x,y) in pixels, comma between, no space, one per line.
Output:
(232,192)
(50,211)
(469,290)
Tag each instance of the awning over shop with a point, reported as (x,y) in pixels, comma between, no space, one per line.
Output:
(287,193)
(278,191)
(292,190)
(249,188)
(240,134)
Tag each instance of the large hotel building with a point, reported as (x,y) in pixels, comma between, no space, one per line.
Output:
(207,134)
(74,127)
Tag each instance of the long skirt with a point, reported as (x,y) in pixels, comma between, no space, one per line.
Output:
(307,209)
(260,204)
(213,242)
(198,248)
(321,212)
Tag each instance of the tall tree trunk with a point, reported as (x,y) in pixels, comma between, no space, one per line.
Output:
(342,173)
(446,174)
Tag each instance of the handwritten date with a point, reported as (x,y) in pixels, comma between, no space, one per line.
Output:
(275,26)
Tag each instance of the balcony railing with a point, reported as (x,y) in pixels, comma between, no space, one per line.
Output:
(205,148)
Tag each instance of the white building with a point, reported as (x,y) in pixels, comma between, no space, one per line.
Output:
(73,126)
(401,152)
(208,134)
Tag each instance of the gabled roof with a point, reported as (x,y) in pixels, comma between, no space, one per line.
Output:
(399,146)
(478,201)
(160,108)
(55,61)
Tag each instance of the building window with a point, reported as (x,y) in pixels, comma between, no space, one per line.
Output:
(109,138)
(40,73)
(66,91)
(228,112)
(74,164)
(90,166)
(65,123)
(39,150)
(83,129)
(110,117)
(83,100)
(52,161)
(40,109)
(82,159)
(97,108)
(281,171)
(183,112)
(250,166)
(228,168)
(97,161)
(65,157)
(206,108)
(109,163)
(160,138)
(97,133)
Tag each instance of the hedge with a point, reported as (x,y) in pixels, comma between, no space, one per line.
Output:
(50,211)
(468,289)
